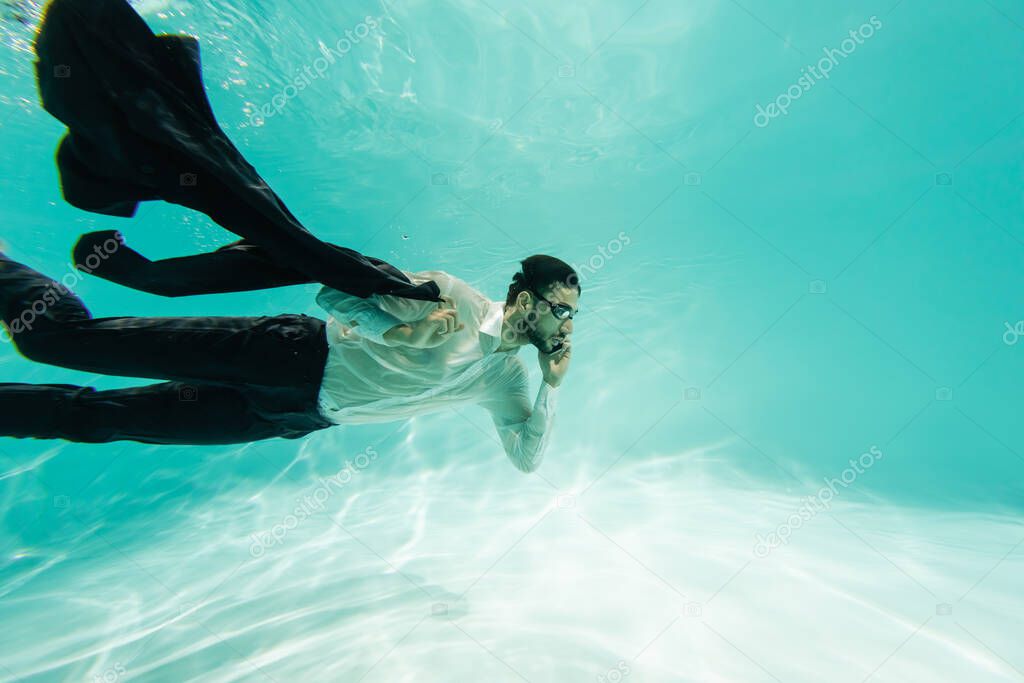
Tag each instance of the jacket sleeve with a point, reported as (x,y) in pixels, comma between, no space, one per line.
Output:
(523,432)
(376,314)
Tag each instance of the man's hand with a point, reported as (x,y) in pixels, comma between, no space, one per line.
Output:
(555,365)
(432,331)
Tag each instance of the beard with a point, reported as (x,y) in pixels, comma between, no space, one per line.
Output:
(545,344)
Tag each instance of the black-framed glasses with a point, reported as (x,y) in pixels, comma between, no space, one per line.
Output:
(559,310)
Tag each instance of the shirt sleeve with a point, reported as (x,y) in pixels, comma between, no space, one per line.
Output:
(523,432)
(376,314)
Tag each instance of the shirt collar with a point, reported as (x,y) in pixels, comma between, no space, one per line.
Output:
(490,327)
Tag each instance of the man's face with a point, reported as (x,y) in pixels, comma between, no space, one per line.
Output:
(543,329)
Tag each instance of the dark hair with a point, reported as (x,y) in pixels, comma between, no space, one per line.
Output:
(541,273)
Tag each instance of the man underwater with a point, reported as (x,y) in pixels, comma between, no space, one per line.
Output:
(241,379)
(397,343)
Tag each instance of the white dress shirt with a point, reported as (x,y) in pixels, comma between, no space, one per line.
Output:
(369,379)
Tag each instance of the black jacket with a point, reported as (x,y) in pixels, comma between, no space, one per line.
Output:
(140,127)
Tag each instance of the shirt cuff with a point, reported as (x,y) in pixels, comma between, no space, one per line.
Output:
(546,398)
(374,323)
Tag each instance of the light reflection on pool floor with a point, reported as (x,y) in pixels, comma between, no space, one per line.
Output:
(428,578)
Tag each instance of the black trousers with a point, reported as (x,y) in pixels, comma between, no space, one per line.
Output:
(232,379)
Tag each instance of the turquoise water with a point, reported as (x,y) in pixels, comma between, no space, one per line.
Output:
(766,296)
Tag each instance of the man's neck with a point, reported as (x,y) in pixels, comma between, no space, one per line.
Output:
(504,344)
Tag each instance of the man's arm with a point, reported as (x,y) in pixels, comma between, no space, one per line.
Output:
(373,322)
(379,318)
(523,432)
